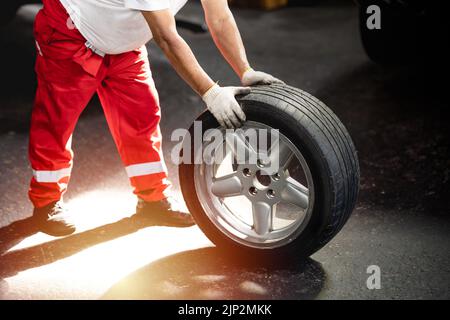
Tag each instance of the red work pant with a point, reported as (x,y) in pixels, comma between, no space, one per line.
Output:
(69,74)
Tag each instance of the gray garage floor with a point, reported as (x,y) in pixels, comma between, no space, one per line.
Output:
(395,115)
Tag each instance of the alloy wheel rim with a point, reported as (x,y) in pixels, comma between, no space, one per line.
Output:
(252,216)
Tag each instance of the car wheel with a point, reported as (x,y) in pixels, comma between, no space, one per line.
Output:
(260,211)
(398,39)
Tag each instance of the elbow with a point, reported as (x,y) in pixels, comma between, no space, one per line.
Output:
(167,40)
(217,23)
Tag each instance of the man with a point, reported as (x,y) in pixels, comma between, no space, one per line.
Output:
(92,46)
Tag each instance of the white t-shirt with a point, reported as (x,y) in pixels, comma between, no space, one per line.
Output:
(116,26)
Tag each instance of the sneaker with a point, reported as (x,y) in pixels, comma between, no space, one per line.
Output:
(52,220)
(163,213)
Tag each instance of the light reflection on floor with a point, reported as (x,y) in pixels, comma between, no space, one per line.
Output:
(103,251)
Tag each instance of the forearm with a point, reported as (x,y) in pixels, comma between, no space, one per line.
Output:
(227,38)
(220,101)
(162,25)
(184,62)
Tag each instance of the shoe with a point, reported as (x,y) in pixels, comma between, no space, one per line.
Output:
(163,213)
(52,220)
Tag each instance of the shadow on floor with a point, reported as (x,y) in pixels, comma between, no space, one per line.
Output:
(205,273)
(19,260)
(208,274)
(16,232)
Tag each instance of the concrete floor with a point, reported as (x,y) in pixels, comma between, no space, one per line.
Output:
(395,116)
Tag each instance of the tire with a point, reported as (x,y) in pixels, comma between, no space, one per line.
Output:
(396,41)
(325,146)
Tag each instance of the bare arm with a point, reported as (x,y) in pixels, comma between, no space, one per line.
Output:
(226,34)
(162,25)
(220,101)
(228,40)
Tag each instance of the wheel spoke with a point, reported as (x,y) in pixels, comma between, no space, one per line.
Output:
(280,154)
(227,186)
(241,149)
(295,193)
(262,217)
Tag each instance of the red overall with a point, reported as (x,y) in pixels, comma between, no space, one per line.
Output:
(69,74)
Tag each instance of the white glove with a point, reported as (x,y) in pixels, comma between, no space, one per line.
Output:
(221,102)
(252,77)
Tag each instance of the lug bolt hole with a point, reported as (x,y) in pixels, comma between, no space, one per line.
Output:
(247,172)
(276,176)
(270,193)
(253,191)
(260,164)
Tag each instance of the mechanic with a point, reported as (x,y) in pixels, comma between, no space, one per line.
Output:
(91,46)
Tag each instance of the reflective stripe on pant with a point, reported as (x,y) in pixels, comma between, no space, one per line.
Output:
(65,85)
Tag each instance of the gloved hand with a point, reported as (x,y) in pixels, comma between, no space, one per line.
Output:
(252,77)
(221,102)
